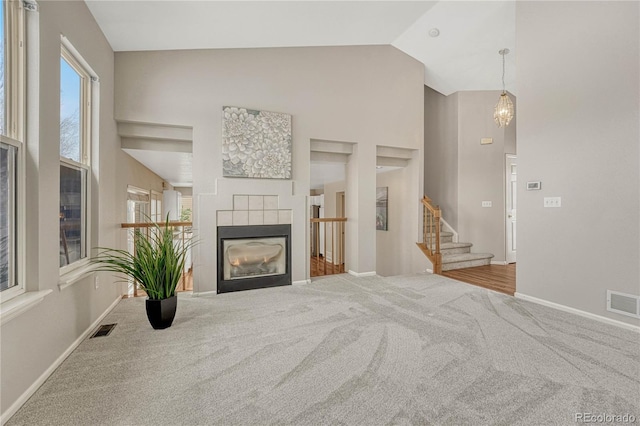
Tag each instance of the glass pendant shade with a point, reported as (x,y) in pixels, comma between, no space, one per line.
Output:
(503,112)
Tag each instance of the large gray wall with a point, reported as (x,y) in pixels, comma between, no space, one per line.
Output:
(460,173)
(34,340)
(578,132)
(441,152)
(393,248)
(481,170)
(366,95)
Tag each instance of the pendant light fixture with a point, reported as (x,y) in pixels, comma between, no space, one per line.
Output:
(503,112)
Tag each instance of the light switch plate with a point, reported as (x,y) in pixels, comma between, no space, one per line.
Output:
(553,201)
(487,204)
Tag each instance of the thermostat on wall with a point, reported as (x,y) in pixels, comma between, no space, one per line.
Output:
(486,141)
(533,186)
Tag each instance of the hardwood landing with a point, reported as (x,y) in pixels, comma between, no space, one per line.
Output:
(320,267)
(494,277)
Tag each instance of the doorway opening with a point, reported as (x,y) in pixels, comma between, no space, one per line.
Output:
(327,217)
(511,175)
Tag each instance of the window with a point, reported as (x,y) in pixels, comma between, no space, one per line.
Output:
(137,204)
(75,166)
(185,213)
(156,206)
(11,151)
(3,108)
(8,190)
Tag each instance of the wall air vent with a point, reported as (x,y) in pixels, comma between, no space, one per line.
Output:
(624,304)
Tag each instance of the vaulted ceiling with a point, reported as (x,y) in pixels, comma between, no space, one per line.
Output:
(463,56)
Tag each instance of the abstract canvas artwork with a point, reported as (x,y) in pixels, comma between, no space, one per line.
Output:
(382,202)
(256,144)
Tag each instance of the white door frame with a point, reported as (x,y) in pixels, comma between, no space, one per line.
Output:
(510,215)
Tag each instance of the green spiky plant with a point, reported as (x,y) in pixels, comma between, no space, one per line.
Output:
(157,264)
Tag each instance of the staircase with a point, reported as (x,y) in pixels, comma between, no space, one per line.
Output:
(458,255)
(438,245)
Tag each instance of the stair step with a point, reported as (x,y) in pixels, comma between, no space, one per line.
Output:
(465,260)
(455,248)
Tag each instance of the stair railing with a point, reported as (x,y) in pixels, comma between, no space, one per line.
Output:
(430,245)
(327,233)
(182,234)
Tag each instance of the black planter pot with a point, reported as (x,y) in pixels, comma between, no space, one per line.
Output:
(161,312)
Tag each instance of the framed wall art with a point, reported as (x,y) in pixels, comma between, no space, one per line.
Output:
(382,201)
(256,144)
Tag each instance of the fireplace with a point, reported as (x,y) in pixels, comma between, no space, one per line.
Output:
(251,257)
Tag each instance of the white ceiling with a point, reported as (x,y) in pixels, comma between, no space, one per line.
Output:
(463,57)
(179,24)
(173,167)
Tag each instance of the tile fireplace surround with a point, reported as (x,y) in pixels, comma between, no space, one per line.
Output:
(254,210)
(253,216)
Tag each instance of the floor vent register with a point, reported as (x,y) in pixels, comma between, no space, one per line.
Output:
(103,330)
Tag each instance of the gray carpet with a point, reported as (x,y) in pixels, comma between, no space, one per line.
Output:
(417,349)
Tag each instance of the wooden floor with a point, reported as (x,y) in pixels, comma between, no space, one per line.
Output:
(320,267)
(494,277)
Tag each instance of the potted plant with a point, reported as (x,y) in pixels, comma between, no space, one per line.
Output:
(157,264)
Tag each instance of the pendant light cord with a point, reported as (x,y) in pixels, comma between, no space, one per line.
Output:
(503,86)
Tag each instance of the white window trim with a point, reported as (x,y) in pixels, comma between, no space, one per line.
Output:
(15,55)
(15,120)
(74,272)
(16,242)
(85,102)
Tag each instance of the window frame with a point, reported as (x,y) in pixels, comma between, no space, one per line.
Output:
(70,55)
(14,25)
(156,204)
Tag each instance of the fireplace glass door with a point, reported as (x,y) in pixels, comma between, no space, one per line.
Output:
(254,257)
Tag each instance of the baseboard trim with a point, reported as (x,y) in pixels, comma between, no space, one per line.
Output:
(204,293)
(301,282)
(44,376)
(579,312)
(499,262)
(362,274)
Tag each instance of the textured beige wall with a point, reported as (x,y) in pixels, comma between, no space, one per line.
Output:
(330,191)
(441,152)
(137,175)
(392,245)
(366,95)
(460,173)
(481,170)
(33,341)
(578,133)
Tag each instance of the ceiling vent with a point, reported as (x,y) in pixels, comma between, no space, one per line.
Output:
(624,304)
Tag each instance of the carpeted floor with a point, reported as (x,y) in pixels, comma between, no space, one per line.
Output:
(420,349)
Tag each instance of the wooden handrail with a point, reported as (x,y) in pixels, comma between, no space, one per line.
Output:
(134,230)
(153,224)
(327,219)
(430,245)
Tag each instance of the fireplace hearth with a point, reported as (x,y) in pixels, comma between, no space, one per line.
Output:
(251,257)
